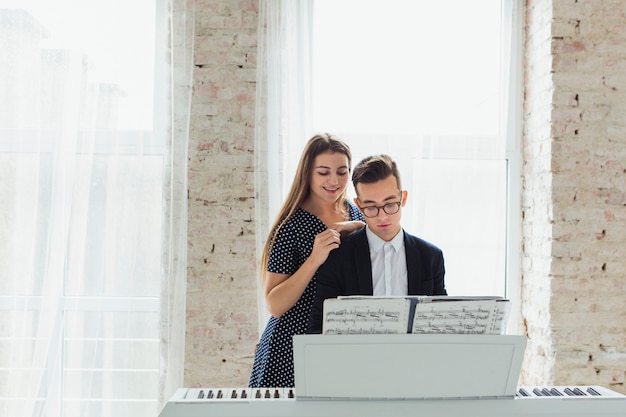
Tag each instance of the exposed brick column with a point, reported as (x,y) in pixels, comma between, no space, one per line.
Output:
(221,295)
(574,201)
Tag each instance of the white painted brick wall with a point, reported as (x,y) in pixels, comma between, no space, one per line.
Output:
(573,200)
(221,294)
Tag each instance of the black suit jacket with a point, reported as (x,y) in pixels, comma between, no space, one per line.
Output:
(348,271)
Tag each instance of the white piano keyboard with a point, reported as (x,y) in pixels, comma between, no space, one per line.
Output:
(241,394)
(565,391)
(555,401)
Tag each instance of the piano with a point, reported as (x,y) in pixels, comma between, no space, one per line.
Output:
(554,401)
(414,375)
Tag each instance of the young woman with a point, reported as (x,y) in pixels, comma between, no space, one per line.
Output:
(309,225)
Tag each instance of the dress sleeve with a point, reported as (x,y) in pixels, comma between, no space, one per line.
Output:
(283,258)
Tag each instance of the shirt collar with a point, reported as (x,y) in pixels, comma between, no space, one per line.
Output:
(377,243)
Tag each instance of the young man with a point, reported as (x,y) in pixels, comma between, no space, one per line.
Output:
(380,259)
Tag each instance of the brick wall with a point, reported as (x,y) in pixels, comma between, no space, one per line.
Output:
(221,285)
(574,194)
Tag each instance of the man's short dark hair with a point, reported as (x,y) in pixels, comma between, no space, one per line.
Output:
(375,168)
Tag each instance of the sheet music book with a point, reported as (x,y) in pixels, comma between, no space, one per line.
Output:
(415,314)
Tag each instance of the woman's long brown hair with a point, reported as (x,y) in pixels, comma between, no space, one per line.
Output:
(301,186)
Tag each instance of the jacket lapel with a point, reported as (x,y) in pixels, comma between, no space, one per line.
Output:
(363,263)
(412,261)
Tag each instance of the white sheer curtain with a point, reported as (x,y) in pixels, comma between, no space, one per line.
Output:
(283,106)
(92,205)
(174,276)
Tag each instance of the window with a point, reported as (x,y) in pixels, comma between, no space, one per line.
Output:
(428,83)
(82,154)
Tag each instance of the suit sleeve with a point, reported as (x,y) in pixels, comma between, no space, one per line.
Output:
(327,287)
(439,285)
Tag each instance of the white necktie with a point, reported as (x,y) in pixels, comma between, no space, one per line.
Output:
(388,250)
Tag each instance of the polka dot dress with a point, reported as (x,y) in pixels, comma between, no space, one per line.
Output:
(273,363)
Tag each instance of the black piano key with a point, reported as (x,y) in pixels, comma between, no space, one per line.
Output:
(546,392)
(276,394)
(592,391)
(267,394)
(234,394)
(555,392)
(201,394)
(244,394)
(210,395)
(258,394)
(291,394)
(578,391)
(537,392)
(220,394)
(523,392)
(569,391)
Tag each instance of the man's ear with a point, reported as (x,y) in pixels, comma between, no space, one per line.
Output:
(404,196)
(356,201)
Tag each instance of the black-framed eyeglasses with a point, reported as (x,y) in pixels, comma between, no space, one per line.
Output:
(389,208)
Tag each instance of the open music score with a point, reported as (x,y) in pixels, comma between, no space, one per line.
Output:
(420,315)
(460,317)
(361,316)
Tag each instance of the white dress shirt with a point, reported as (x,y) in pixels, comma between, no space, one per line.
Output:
(389,274)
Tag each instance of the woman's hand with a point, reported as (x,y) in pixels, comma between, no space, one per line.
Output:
(324,242)
(347,227)
(282,291)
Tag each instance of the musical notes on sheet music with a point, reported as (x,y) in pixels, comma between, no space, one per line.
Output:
(420,315)
(359,316)
(356,321)
(454,317)
(363,315)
